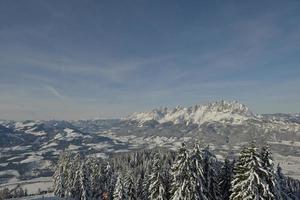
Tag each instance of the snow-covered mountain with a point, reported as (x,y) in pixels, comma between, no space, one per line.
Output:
(222,111)
(28,148)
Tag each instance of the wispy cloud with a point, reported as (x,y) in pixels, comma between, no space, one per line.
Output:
(55,92)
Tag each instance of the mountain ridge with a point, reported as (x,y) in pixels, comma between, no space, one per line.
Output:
(197,114)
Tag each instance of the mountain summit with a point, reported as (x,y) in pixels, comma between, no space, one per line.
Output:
(233,112)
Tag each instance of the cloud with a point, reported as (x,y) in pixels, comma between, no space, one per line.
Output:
(55,92)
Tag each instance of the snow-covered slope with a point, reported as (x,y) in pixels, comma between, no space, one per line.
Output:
(222,111)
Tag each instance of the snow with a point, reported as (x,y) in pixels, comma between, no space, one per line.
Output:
(287,142)
(49,196)
(73,147)
(52,144)
(69,135)
(16,157)
(99,155)
(29,128)
(290,164)
(21,125)
(58,136)
(32,158)
(99,146)
(33,185)
(16,148)
(68,130)
(37,133)
(10,172)
(3,164)
(232,112)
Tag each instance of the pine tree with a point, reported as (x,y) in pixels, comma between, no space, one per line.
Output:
(157,188)
(225,179)
(183,184)
(198,173)
(108,178)
(59,182)
(96,184)
(146,185)
(271,179)
(75,183)
(210,175)
(59,177)
(139,186)
(119,192)
(85,182)
(167,180)
(282,181)
(130,186)
(73,164)
(249,179)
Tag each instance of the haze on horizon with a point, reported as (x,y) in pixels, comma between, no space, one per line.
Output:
(76,59)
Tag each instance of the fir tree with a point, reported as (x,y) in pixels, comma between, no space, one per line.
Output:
(198,173)
(129,186)
(85,182)
(109,178)
(183,185)
(249,179)
(167,180)
(95,177)
(157,188)
(225,179)
(210,175)
(146,185)
(282,181)
(271,179)
(119,192)
(58,177)
(74,163)
(76,185)
(139,186)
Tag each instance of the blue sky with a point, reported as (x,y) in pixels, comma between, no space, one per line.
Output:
(105,59)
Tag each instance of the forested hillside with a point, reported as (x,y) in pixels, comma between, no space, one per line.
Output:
(189,173)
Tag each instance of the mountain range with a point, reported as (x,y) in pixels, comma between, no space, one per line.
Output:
(28,149)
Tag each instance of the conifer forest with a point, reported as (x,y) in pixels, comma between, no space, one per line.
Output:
(190,173)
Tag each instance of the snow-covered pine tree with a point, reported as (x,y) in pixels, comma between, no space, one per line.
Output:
(167,180)
(145,185)
(183,184)
(96,185)
(108,178)
(75,183)
(61,178)
(85,182)
(249,179)
(119,191)
(130,186)
(282,182)
(73,164)
(139,186)
(271,179)
(59,181)
(210,174)
(157,188)
(197,172)
(292,186)
(225,179)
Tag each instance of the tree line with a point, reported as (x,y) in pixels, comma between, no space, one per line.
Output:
(190,173)
(6,193)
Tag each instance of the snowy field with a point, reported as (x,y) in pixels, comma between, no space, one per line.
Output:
(39,197)
(33,186)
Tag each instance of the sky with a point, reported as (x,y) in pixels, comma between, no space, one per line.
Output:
(69,59)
